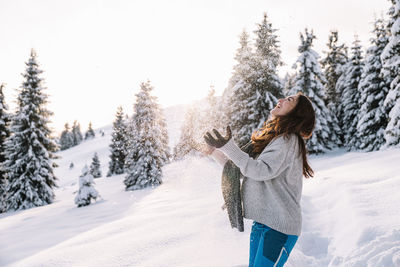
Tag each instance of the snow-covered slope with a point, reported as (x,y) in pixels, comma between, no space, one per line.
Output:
(350,209)
(174,224)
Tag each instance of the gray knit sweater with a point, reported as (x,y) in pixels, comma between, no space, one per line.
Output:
(272,184)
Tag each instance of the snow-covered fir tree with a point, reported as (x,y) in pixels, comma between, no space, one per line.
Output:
(373,88)
(211,117)
(267,58)
(86,191)
(29,149)
(244,109)
(340,85)
(118,144)
(145,158)
(130,141)
(335,58)
(187,143)
(310,81)
(350,98)
(164,138)
(89,133)
(391,14)
(95,166)
(334,65)
(266,85)
(227,95)
(391,69)
(76,133)
(66,138)
(4,134)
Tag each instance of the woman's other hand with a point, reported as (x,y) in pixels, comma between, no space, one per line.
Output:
(219,141)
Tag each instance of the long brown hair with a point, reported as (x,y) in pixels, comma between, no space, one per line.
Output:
(300,121)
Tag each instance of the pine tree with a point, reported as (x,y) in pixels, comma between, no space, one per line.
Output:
(266,85)
(372,119)
(95,166)
(267,60)
(118,145)
(76,133)
(391,69)
(89,133)
(336,57)
(86,192)
(4,134)
(333,65)
(350,97)
(340,85)
(164,139)
(210,117)
(239,83)
(391,14)
(130,143)
(29,150)
(67,138)
(143,164)
(245,112)
(187,144)
(310,80)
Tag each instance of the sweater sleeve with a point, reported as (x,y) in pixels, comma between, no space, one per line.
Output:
(219,157)
(267,166)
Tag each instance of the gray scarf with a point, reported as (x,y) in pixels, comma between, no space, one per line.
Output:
(230,184)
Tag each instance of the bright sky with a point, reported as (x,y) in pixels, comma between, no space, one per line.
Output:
(96,53)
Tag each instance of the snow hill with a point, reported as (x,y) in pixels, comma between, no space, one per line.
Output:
(350,216)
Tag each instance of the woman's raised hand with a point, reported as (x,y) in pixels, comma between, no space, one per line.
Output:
(220,141)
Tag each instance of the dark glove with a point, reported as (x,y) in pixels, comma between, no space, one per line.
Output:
(220,141)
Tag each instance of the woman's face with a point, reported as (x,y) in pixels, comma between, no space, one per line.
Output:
(284,106)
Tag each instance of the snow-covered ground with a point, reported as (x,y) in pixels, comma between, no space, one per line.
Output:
(350,217)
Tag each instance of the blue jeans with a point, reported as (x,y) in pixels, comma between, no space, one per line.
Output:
(269,247)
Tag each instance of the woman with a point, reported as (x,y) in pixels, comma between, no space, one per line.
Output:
(272,182)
